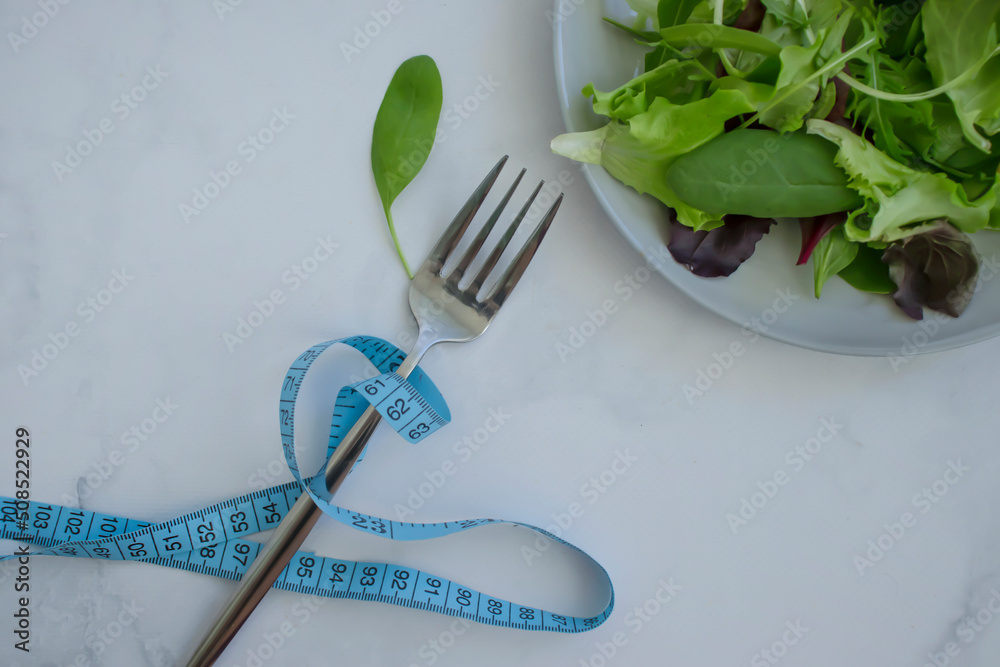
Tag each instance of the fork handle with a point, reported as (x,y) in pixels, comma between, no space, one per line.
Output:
(282,546)
(292,531)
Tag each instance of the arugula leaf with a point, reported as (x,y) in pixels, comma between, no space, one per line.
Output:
(883,125)
(719,252)
(405,127)
(903,129)
(639,151)
(763,174)
(833,254)
(899,201)
(937,269)
(961,38)
(868,272)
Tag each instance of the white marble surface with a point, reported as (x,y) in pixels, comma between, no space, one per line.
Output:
(220,78)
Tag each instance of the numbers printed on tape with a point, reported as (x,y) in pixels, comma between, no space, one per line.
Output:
(210,540)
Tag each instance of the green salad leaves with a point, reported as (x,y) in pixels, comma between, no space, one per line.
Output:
(872,122)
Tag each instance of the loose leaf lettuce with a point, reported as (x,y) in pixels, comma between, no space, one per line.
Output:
(899,201)
(639,151)
(634,97)
(936,269)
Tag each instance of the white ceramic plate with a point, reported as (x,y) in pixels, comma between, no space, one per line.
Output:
(844,321)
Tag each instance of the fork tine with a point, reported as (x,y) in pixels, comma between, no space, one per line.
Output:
(494,257)
(480,239)
(513,273)
(452,235)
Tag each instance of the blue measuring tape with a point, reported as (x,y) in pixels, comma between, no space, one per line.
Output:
(211,540)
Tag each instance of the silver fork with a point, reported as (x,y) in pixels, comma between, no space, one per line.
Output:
(445,312)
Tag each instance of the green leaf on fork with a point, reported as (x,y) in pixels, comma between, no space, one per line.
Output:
(405,127)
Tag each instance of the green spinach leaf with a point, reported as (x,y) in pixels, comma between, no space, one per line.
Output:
(405,128)
(763,174)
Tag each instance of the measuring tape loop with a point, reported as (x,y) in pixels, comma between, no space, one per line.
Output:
(212,540)
(413,407)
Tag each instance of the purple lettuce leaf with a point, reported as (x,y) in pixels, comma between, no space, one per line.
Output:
(936,269)
(720,251)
